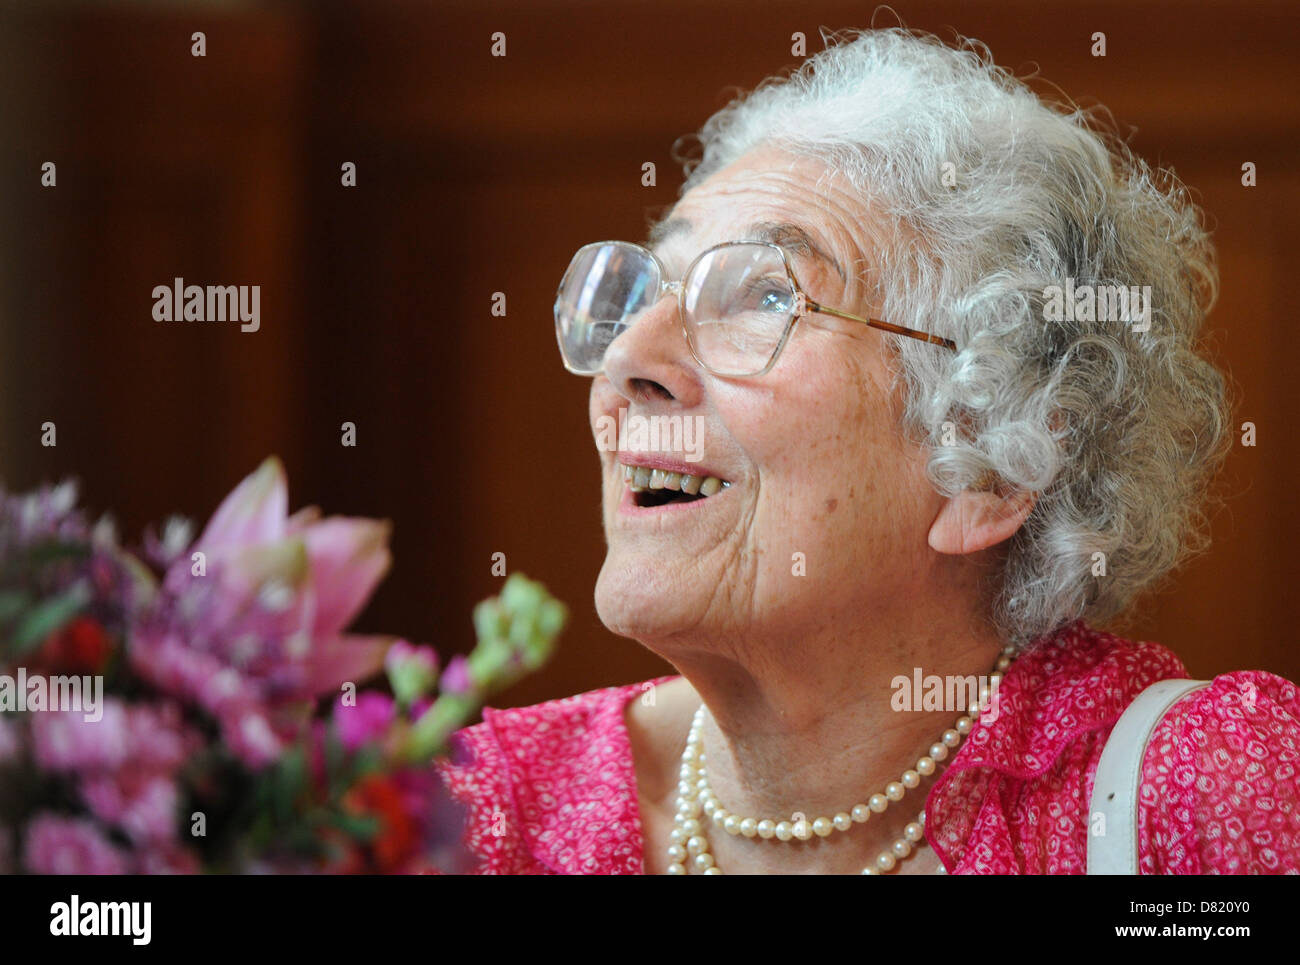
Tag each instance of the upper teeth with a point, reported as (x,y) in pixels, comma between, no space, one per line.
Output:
(641,478)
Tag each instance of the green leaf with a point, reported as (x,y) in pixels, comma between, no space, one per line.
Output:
(361,826)
(287,782)
(12,603)
(47,618)
(335,762)
(53,551)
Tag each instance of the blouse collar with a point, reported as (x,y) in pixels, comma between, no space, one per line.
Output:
(1064,685)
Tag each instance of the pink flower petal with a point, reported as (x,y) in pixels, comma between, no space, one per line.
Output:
(336,660)
(254,512)
(349,556)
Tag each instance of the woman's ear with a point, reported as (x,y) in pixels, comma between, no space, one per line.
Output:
(974,520)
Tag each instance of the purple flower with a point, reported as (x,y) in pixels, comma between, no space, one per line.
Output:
(369,718)
(65,741)
(166,549)
(168,859)
(125,762)
(142,805)
(456,679)
(56,845)
(149,736)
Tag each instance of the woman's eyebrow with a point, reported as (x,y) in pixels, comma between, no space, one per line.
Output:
(794,238)
(782,233)
(663,230)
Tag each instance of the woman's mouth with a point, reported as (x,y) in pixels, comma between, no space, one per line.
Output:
(651,487)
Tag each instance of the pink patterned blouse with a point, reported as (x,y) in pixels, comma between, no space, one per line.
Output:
(552,788)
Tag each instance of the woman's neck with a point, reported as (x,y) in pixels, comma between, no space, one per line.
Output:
(816,732)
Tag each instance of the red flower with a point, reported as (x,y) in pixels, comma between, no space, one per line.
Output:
(80,647)
(399,834)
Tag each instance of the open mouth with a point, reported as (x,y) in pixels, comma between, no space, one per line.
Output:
(659,487)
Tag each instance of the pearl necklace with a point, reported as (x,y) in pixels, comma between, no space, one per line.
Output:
(696,798)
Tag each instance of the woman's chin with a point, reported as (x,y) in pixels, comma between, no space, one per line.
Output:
(638,602)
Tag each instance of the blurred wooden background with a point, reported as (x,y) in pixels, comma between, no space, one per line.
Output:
(479,174)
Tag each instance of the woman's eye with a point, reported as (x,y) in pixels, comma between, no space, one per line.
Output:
(766,295)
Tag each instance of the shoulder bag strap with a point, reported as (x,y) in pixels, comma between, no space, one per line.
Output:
(1115,788)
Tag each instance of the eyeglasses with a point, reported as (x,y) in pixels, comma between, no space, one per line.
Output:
(738,303)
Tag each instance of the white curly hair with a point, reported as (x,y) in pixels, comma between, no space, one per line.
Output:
(1117,431)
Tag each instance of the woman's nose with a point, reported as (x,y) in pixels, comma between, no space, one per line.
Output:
(650,359)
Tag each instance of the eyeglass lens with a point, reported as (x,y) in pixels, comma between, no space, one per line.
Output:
(737,302)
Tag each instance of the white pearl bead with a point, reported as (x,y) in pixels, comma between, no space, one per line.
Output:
(696,798)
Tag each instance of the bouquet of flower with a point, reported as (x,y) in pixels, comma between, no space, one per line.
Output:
(195,705)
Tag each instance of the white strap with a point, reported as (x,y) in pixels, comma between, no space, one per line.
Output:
(1113,851)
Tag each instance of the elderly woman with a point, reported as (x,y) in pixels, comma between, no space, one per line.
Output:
(937,340)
